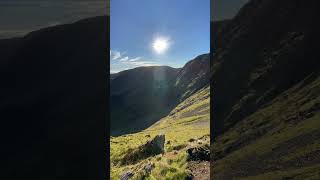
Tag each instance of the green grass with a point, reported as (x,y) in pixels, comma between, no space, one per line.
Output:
(178,131)
(280,122)
(306,173)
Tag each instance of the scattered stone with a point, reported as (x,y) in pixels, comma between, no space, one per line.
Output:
(168,142)
(189,175)
(148,136)
(148,167)
(191,140)
(199,169)
(199,154)
(126,175)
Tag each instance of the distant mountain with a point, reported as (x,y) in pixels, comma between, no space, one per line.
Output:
(140,97)
(52,102)
(265,78)
(193,76)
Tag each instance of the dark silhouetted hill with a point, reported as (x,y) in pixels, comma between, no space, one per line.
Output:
(140,96)
(53,102)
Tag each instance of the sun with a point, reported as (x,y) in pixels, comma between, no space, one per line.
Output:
(160,45)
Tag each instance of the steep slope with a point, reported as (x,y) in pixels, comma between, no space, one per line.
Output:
(186,126)
(52,96)
(266,92)
(140,97)
(193,76)
(185,95)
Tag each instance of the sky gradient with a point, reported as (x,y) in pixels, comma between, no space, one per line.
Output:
(19,17)
(136,24)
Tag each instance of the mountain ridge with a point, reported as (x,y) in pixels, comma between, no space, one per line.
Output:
(167,97)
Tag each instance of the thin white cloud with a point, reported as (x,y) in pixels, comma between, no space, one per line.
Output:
(115,55)
(124,59)
(122,62)
(144,63)
(135,59)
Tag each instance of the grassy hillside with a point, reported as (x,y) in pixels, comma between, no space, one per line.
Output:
(265,75)
(281,140)
(186,126)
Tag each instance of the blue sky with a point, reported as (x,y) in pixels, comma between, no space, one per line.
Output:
(136,24)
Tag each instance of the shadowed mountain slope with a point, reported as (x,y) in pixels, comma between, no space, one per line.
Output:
(53,102)
(193,76)
(266,92)
(140,97)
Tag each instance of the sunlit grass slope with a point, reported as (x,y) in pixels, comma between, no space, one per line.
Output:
(188,125)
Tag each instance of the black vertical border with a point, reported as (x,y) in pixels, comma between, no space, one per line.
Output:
(211,85)
(107,127)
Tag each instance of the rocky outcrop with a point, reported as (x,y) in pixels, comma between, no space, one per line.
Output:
(192,77)
(154,146)
(151,148)
(201,153)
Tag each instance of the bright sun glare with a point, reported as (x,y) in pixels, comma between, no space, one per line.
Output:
(160,45)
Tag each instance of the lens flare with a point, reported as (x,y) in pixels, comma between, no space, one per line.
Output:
(160,45)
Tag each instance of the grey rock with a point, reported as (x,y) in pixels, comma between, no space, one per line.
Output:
(198,154)
(126,175)
(154,146)
(147,168)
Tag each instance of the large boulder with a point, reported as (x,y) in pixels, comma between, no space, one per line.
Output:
(154,146)
(150,148)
